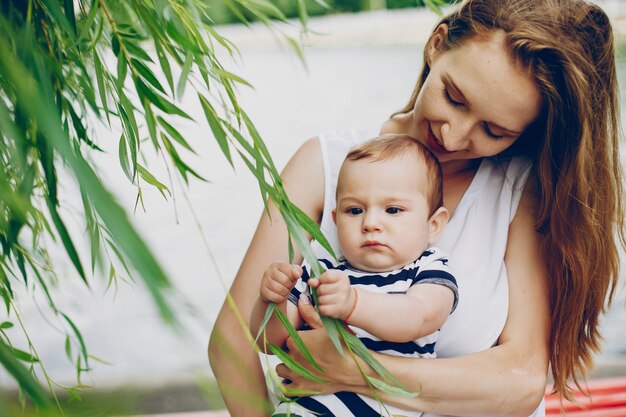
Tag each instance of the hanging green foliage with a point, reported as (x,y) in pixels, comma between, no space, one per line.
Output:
(71,68)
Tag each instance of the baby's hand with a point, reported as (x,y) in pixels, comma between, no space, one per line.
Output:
(335,297)
(278,280)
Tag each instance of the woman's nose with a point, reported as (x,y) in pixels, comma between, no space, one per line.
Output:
(455,135)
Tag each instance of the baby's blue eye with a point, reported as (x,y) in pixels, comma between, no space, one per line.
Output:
(355,210)
(392,210)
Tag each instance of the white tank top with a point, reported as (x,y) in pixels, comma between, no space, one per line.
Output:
(475,239)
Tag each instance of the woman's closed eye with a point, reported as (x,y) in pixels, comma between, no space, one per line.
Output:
(456,103)
(449,98)
(490,133)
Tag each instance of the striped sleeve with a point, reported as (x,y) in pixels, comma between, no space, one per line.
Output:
(301,286)
(434,269)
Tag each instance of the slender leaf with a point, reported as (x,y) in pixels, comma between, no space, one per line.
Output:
(311,228)
(147,74)
(123,157)
(99,69)
(165,65)
(293,365)
(390,389)
(88,22)
(271,307)
(175,134)
(24,356)
(68,5)
(70,248)
(297,340)
(216,127)
(159,101)
(78,336)
(150,179)
(182,80)
(21,374)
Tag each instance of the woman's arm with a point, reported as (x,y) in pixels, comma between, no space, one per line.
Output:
(235,364)
(506,380)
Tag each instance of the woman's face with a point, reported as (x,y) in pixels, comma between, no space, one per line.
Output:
(475,101)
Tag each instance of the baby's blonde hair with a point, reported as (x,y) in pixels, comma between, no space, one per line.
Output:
(389,146)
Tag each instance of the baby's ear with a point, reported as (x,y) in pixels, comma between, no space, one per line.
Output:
(436,223)
(335,216)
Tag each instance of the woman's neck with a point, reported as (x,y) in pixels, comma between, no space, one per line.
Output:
(451,168)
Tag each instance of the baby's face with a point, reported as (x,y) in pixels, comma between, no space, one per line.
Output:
(382,212)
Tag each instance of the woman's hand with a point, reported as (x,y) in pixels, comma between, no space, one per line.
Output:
(345,375)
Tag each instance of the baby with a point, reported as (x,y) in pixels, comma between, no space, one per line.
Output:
(391,288)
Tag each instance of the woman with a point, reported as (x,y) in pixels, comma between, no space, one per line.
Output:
(510,90)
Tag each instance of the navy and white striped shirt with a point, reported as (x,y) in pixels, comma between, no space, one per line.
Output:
(430,268)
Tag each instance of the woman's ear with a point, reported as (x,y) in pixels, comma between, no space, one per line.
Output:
(437,223)
(436,42)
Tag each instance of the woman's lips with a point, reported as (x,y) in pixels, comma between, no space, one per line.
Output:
(434,144)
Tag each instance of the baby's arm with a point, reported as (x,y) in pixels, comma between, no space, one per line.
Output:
(403,317)
(393,317)
(277,282)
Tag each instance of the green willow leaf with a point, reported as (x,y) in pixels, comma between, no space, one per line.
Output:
(24,356)
(68,347)
(258,142)
(390,389)
(129,123)
(136,51)
(165,65)
(88,22)
(302,13)
(355,344)
(182,167)
(151,122)
(181,38)
(79,337)
(297,340)
(68,5)
(293,365)
(216,127)
(81,132)
(6,325)
(266,318)
(24,377)
(331,326)
(311,228)
(175,134)
(102,91)
(160,102)
(233,77)
(147,74)
(70,248)
(184,74)
(58,16)
(150,179)
(123,157)
(122,70)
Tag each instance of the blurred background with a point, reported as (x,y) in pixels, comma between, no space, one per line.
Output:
(358,69)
